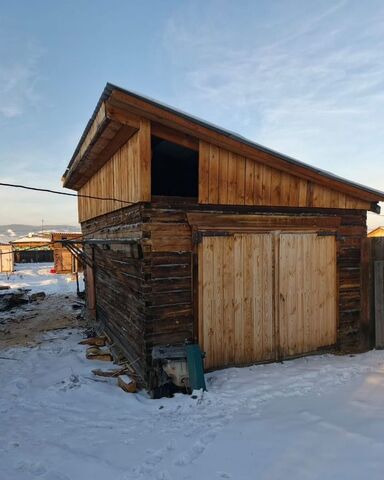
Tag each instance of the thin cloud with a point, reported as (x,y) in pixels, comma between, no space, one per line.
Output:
(315,91)
(18,76)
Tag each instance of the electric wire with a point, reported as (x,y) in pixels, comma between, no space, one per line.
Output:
(56,192)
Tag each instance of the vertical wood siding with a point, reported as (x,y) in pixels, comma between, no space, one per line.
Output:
(235,299)
(226,178)
(307,293)
(126,176)
(243,319)
(6,258)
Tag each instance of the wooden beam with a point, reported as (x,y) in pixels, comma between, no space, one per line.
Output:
(242,223)
(122,116)
(174,136)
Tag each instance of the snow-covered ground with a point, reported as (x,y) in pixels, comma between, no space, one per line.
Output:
(23,325)
(312,418)
(37,277)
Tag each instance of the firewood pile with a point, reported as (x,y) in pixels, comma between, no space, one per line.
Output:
(98,348)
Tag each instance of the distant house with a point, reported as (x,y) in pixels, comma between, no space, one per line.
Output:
(64,260)
(377,232)
(6,258)
(207,237)
(32,249)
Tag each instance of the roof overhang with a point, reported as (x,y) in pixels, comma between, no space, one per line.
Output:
(106,132)
(117,117)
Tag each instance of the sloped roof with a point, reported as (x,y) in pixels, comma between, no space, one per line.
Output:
(153,109)
(376,232)
(31,240)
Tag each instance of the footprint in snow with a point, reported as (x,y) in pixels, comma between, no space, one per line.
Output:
(198,449)
(36,468)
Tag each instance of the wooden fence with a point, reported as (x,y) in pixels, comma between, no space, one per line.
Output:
(373,289)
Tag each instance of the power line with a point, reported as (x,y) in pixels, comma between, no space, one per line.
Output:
(47,190)
(46,244)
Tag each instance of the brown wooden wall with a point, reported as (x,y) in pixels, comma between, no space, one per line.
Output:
(142,299)
(228,178)
(265,296)
(149,300)
(64,261)
(170,228)
(6,258)
(125,177)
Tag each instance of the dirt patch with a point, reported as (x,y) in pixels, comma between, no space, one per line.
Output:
(25,324)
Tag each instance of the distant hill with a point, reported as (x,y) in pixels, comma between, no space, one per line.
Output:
(12,232)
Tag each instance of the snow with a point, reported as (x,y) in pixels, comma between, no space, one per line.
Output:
(320,417)
(312,418)
(37,277)
(32,239)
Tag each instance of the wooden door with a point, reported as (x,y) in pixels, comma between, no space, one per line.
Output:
(307,293)
(236,299)
(265,296)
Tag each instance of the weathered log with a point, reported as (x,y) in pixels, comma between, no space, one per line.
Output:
(127,384)
(94,341)
(95,353)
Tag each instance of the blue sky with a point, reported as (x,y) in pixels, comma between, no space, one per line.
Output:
(304,78)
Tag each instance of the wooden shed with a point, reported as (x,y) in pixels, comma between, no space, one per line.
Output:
(64,260)
(6,258)
(210,238)
(32,249)
(377,232)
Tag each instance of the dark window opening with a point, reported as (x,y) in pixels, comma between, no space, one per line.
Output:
(174,169)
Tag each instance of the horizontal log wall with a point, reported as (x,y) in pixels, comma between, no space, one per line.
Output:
(351,234)
(121,302)
(120,282)
(167,245)
(228,178)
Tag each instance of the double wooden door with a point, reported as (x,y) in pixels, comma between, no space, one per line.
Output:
(265,296)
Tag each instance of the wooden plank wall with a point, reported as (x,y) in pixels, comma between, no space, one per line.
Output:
(307,293)
(379,302)
(372,252)
(6,259)
(125,177)
(120,282)
(167,247)
(352,332)
(121,303)
(236,299)
(162,279)
(226,178)
(255,305)
(146,301)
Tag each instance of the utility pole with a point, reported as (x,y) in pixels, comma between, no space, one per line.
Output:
(42,225)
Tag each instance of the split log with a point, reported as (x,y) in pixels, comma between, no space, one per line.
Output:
(108,373)
(95,353)
(127,384)
(96,341)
